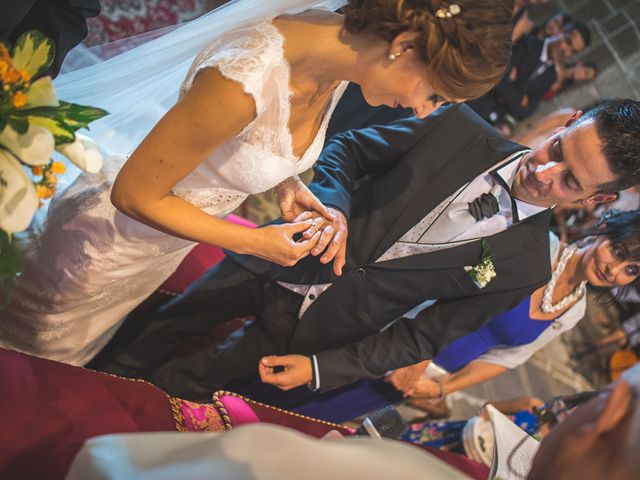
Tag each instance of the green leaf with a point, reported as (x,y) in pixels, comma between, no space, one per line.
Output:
(3,123)
(69,116)
(10,265)
(61,132)
(486,251)
(81,114)
(33,52)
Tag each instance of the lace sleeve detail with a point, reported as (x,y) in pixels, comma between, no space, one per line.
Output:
(245,55)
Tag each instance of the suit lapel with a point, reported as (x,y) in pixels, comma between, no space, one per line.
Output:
(476,158)
(505,244)
(391,288)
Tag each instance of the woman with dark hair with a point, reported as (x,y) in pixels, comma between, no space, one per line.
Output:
(610,257)
(571,75)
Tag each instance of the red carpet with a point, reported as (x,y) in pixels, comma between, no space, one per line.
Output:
(123,18)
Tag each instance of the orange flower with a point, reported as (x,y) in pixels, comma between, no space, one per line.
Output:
(44,192)
(51,179)
(58,167)
(24,75)
(4,53)
(19,99)
(7,73)
(37,170)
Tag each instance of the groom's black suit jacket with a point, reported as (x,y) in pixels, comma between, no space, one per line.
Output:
(386,179)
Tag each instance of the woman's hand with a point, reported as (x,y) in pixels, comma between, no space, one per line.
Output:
(424,388)
(405,379)
(295,198)
(333,237)
(276,243)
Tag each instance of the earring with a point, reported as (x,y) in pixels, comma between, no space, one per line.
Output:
(393,56)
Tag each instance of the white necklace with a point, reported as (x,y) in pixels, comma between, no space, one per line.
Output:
(547,306)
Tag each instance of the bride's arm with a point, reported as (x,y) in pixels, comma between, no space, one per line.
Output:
(215,110)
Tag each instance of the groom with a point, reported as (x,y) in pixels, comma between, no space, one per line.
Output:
(419,196)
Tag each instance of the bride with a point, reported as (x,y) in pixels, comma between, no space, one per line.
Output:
(251,115)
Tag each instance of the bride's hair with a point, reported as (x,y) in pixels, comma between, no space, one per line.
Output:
(465,44)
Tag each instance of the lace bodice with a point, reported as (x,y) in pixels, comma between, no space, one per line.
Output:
(261,156)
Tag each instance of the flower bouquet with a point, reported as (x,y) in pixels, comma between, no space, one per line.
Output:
(34,123)
(484,271)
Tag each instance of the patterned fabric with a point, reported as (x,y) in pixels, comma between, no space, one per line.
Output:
(408,243)
(124,18)
(444,434)
(447,434)
(196,417)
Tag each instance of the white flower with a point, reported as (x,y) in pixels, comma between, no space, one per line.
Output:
(41,93)
(83,152)
(18,197)
(34,147)
(484,271)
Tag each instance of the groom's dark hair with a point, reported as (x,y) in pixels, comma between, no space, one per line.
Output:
(618,125)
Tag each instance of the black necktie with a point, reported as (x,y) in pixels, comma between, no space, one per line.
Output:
(486,205)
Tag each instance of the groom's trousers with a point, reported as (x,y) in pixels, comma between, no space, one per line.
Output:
(224,292)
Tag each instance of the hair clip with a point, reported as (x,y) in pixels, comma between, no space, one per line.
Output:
(448,12)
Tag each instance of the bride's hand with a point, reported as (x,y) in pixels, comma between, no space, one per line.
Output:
(276,244)
(294,198)
(332,243)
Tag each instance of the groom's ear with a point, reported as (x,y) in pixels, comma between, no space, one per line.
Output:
(573,118)
(600,198)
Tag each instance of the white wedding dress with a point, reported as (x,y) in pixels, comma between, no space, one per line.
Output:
(91,265)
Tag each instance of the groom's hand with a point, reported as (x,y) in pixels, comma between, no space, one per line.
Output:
(333,239)
(295,198)
(285,372)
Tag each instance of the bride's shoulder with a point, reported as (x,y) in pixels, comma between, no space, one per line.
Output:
(244,54)
(249,40)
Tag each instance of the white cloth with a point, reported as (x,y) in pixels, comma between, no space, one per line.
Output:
(153,65)
(256,451)
(514,449)
(92,265)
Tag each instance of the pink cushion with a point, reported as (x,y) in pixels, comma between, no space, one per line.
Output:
(244,410)
(239,411)
(198,261)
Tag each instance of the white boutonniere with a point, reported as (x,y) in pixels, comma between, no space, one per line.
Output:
(485,271)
